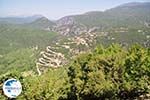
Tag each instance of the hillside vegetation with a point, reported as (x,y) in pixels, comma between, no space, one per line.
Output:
(105,73)
(13,37)
(92,56)
(20,47)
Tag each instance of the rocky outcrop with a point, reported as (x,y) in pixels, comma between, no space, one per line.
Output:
(144,97)
(69,26)
(147,24)
(64,25)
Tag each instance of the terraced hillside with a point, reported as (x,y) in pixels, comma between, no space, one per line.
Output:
(63,50)
(50,58)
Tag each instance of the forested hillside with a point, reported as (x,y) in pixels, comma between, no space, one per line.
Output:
(105,73)
(20,47)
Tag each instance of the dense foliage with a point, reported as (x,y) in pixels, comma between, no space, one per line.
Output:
(110,73)
(105,73)
(14,37)
(20,60)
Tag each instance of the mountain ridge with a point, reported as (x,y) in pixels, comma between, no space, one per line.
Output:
(20,19)
(41,23)
(124,15)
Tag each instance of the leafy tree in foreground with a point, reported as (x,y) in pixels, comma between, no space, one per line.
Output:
(137,71)
(110,73)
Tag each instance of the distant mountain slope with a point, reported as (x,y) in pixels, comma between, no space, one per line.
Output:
(135,14)
(41,23)
(19,20)
(127,15)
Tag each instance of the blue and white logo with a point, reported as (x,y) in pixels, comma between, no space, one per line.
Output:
(12,88)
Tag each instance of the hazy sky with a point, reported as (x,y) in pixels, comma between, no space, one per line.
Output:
(54,9)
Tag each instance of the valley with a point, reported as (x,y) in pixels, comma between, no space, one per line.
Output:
(78,56)
(57,42)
